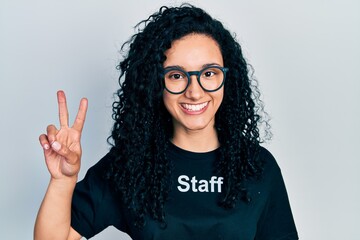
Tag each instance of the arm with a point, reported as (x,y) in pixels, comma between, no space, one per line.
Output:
(276,220)
(54,216)
(62,151)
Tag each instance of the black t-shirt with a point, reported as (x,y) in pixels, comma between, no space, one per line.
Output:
(192,211)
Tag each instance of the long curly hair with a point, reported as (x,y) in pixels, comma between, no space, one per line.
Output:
(140,136)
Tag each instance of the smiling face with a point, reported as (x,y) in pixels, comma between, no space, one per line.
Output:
(194,109)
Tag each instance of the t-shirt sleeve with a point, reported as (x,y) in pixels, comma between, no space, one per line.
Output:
(94,204)
(276,221)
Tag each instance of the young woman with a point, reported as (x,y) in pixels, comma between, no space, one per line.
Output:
(185,161)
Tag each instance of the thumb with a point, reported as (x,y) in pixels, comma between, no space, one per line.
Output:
(65,152)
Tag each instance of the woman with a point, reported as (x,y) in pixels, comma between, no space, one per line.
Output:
(185,161)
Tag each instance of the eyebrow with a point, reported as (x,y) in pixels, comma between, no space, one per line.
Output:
(203,66)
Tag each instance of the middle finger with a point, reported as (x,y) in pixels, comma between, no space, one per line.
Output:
(63,110)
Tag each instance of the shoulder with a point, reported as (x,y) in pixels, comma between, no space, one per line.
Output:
(96,185)
(271,170)
(102,165)
(276,220)
(94,196)
(268,159)
(96,176)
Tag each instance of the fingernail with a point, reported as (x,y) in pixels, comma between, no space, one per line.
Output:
(55,145)
(46,146)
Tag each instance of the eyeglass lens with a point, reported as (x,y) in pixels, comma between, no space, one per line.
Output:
(210,79)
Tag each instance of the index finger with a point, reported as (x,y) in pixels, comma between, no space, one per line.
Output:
(81,115)
(63,111)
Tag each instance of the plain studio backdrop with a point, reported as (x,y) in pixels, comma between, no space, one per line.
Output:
(306,56)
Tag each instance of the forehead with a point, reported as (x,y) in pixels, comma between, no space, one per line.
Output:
(193,51)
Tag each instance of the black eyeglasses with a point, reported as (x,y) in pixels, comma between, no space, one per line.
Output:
(210,78)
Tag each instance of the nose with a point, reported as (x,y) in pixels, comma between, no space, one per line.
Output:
(194,90)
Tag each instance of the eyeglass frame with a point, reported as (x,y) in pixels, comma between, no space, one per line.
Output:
(197,74)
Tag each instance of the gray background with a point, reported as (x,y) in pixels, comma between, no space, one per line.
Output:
(306,57)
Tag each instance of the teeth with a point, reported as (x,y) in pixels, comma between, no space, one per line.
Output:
(194,107)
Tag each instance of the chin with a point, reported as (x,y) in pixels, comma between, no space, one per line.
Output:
(198,126)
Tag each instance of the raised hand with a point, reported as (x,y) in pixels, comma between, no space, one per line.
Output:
(62,148)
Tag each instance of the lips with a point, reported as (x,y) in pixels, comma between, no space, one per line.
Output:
(194,107)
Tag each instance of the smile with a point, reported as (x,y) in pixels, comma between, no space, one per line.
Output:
(194,107)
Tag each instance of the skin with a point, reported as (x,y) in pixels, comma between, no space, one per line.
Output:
(193,131)
(192,128)
(62,151)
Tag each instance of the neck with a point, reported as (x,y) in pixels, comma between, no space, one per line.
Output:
(203,140)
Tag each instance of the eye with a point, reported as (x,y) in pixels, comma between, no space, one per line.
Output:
(175,75)
(209,74)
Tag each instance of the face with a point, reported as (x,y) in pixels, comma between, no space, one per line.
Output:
(194,109)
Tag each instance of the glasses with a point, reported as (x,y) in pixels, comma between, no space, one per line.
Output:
(210,79)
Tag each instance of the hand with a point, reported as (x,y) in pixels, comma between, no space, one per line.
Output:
(62,148)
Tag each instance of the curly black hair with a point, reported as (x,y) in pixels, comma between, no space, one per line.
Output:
(142,129)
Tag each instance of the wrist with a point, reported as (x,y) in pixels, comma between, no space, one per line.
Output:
(63,184)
